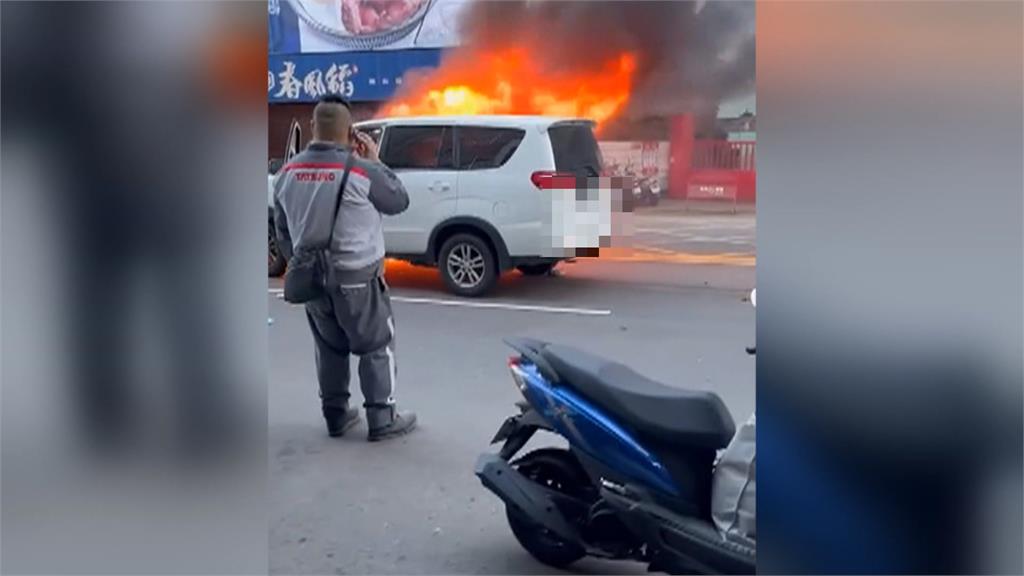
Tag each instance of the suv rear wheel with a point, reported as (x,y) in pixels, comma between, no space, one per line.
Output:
(467,265)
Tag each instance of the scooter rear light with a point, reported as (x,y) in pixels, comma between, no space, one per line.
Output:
(518,376)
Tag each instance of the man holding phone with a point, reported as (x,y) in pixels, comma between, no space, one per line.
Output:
(354,316)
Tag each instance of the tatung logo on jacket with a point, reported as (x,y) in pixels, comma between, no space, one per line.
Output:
(314,177)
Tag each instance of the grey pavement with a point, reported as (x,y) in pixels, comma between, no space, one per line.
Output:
(413,505)
(696,232)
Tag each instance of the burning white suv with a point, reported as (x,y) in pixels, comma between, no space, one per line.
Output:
(480,194)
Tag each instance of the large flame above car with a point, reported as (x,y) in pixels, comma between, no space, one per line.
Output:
(514,81)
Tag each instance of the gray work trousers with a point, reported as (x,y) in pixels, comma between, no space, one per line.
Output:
(734,487)
(354,319)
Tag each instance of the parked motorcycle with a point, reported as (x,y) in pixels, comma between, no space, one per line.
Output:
(646,190)
(635,481)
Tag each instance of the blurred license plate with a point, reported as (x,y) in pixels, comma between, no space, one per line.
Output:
(581,218)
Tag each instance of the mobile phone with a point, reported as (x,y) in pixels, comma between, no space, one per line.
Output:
(357,143)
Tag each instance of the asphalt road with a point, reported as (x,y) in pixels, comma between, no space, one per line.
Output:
(413,506)
(699,230)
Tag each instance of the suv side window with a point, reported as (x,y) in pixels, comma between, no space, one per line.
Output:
(481,148)
(419,147)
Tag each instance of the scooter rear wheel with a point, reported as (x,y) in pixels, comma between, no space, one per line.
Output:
(556,469)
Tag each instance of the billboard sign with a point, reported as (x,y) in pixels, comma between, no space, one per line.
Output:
(353,75)
(318,26)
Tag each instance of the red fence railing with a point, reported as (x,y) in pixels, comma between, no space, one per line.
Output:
(723,155)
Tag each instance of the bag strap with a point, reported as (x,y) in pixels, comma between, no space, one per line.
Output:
(341,193)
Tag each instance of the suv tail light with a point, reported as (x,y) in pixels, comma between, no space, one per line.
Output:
(547,179)
(540,177)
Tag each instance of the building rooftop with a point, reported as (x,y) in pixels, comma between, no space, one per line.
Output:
(746,122)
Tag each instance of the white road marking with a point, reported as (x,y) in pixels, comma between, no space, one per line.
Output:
(489,305)
(504,306)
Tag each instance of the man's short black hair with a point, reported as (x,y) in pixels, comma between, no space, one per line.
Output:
(335,99)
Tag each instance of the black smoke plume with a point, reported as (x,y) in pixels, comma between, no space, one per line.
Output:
(690,55)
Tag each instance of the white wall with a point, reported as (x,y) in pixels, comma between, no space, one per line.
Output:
(636,158)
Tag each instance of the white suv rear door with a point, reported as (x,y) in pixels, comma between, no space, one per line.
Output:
(423,158)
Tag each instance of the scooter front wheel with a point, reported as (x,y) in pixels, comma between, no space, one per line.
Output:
(556,469)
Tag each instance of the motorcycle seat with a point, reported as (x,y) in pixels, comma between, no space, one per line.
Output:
(662,412)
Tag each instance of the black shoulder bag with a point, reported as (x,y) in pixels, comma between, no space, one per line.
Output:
(305,278)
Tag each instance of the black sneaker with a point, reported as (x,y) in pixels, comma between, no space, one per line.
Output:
(386,423)
(340,420)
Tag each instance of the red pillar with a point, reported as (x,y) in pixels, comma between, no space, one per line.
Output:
(680,154)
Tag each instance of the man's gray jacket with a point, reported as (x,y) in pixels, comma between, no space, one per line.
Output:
(304,195)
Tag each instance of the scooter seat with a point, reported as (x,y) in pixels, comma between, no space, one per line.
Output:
(652,409)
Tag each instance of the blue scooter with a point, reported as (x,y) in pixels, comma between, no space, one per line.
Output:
(635,481)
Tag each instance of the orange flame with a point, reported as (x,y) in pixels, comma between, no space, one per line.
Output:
(511,82)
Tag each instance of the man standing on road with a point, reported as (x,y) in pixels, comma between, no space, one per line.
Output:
(354,315)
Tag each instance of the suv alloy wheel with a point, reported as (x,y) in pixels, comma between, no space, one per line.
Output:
(467,265)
